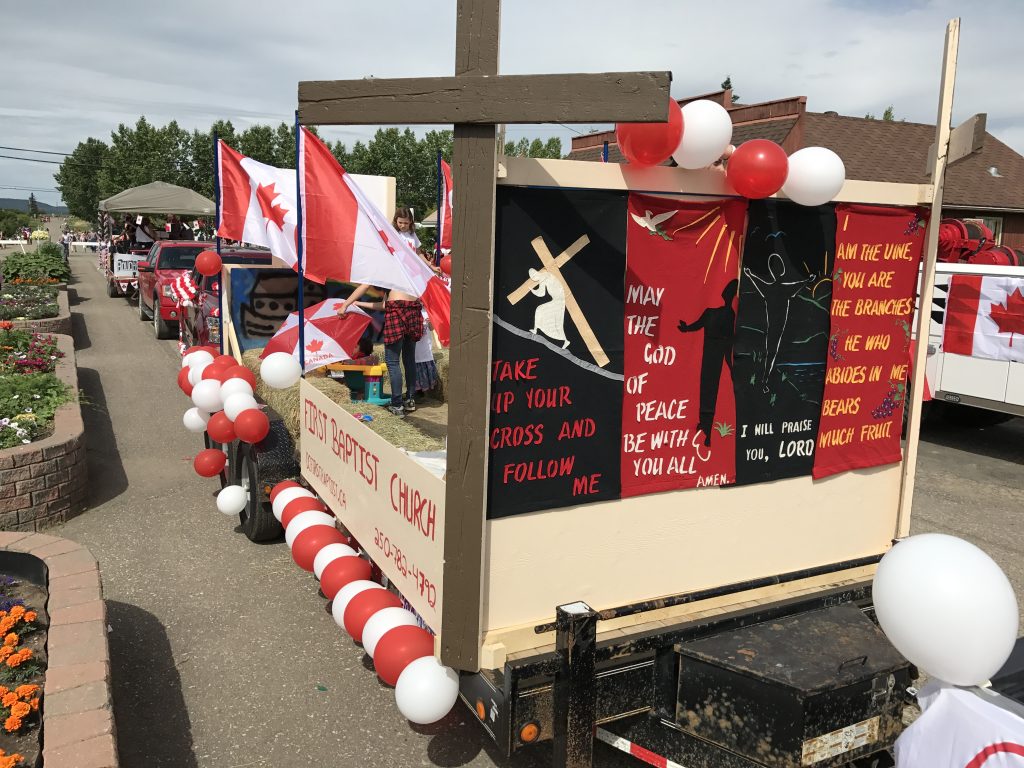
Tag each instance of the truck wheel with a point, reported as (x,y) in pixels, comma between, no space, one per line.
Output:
(161,328)
(111,288)
(142,309)
(257,519)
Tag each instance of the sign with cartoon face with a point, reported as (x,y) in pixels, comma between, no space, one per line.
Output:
(262,299)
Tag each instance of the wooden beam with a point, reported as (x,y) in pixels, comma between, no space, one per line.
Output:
(474,169)
(966,139)
(924,302)
(576,98)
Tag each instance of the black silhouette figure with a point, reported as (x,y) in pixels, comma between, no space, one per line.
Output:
(777,295)
(719,324)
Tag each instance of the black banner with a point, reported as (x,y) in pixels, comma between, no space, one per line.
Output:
(556,376)
(782,334)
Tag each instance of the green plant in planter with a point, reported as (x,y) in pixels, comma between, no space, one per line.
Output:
(46,261)
(31,302)
(27,405)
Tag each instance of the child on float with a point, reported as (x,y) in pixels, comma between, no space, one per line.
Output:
(405,224)
(403,327)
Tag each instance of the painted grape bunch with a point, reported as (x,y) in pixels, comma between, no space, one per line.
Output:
(893,400)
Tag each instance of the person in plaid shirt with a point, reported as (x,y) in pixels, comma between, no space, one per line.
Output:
(403,327)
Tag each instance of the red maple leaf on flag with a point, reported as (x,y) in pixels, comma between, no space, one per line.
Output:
(271,211)
(314,346)
(387,242)
(1009,317)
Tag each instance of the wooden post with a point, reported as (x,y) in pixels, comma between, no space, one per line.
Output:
(924,315)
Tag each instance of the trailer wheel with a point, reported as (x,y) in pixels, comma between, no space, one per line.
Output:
(161,328)
(257,519)
(111,289)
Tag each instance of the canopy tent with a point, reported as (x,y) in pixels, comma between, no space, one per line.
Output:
(159,197)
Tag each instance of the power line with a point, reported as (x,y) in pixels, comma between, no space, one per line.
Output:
(38,151)
(33,160)
(33,189)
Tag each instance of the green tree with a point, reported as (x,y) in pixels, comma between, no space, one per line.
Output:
(552,148)
(78,178)
(889,115)
(33,206)
(259,143)
(726,85)
(198,172)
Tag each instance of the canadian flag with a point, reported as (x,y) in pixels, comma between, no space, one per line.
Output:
(444,214)
(985,317)
(257,203)
(328,336)
(345,237)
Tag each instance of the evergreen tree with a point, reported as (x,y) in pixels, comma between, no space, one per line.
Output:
(33,206)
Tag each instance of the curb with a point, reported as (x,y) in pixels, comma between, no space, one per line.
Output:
(78,716)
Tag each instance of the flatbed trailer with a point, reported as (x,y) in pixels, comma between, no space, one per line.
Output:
(704,627)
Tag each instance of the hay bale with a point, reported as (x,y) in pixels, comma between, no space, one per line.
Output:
(417,432)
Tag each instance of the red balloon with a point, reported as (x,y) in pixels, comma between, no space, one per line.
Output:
(252,425)
(241,372)
(224,360)
(398,647)
(220,429)
(298,506)
(361,607)
(183,382)
(208,263)
(190,350)
(446,264)
(343,571)
(651,143)
(757,168)
(213,371)
(209,462)
(309,543)
(282,486)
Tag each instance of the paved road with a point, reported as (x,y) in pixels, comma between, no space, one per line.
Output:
(223,655)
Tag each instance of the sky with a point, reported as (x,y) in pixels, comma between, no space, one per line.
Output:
(75,70)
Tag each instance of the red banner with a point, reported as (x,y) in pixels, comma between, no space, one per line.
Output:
(878,251)
(679,413)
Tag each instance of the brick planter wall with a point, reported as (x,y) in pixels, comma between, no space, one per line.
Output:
(43,483)
(78,719)
(59,324)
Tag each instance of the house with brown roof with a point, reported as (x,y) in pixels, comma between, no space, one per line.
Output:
(987,185)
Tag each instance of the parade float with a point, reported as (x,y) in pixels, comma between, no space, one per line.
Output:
(672,459)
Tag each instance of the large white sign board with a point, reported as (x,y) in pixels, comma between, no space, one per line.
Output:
(126,266)
(392,505)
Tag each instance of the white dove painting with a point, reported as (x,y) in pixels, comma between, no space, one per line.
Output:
(653,223)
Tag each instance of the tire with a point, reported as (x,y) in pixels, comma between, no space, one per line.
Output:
(112,289)
(257,519)
(142,309)
(161,328)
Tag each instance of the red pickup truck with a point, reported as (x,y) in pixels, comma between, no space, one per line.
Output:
(167,260)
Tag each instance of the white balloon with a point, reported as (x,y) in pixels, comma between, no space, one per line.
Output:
(816,175)
(234,387)
(232,499)
(305,520)
(195,372)
(280,370)
(426,691)
(236,403)
(195,358)
(195,420)
(329,554)
(382,622)
(206,395)
(282,499)
(345,595)
(707,130)
(947,607)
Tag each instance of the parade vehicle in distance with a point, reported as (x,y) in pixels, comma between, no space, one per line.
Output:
(165,262)
(121,271)
(978,287)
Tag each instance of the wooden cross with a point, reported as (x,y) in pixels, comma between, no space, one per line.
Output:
(552,266)
(476,100)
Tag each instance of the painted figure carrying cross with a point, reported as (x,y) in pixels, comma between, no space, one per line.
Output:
(550,279)
(476,100)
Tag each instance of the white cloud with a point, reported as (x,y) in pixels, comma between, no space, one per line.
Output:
(93,65)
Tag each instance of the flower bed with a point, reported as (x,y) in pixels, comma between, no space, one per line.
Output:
(42,481)
(22,664)
(28,302)
(30,393)
(46,261)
